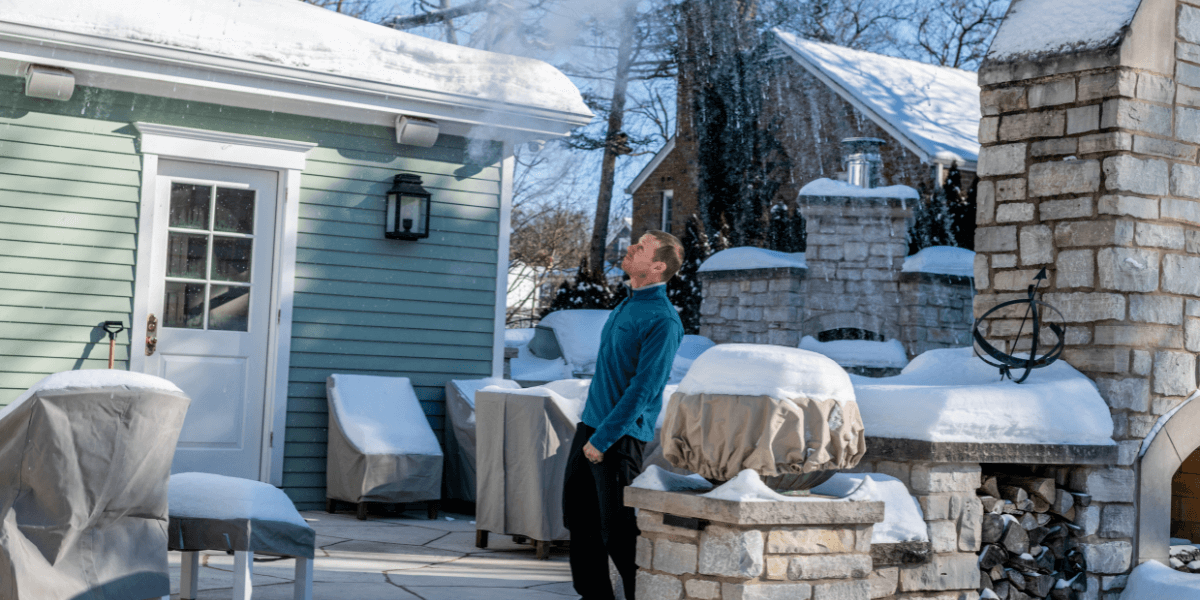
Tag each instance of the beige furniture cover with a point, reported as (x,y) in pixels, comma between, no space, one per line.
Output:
(84,461)
(459,477)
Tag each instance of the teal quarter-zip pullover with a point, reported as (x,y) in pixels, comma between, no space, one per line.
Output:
(637,346)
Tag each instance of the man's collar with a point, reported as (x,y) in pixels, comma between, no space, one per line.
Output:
(646,287)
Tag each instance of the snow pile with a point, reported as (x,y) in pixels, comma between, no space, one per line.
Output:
(859,353)
(761,370)
(93,378)
(514,338)
(1162,421)
(578,333)
(1036,28)
(689,350)
(942,260)
(381,415)
(952,396)
(209,496)
(842,189)
(662,411)
(656,478)
(302,36)
(737,259)
(937,108)
(468,387)
(1154,581)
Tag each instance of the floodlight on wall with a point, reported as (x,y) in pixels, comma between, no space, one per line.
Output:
(408,206)
(414,131)
(50,83)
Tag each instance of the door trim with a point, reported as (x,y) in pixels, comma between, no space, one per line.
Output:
(285,157)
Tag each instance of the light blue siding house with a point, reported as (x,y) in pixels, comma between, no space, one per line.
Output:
(214,175)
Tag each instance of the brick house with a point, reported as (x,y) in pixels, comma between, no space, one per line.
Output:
(927,115)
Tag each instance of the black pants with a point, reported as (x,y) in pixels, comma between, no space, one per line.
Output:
(595,513)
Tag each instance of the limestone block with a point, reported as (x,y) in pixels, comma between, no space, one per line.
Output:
(1091,233)
(1133,206)
(943,572)
(1186,96)
(1013,280)
(1083,119)
(1004,159)
(1179,274)
(1104,484)
(1064,177)
(1088,519)
(1192,335)
(1191,239)
(1187,124)
(810,540)
(1181,210)
(1114,582)
(1022,126)
(981,272)
(934,478)
(1188,75)
(1156,235)
(777,567)
(1192,308)
(1074,268)
(766,591)
(844,590)
(702,590)
(1188,52)
(1082,307)
(1037,245)
(1125,394)
(1128,269)
(1140,176)
(1008,99)
(1106,142)
(1053,210)
(943,536)
(989,130)
(1174,373)
(1155,88)
(1185,181)
(1014,212)
(1052,93)
(1010,189)
(829,566)
(1102,360)
(884,582)
(1127,451)
(996,239)
(1163,405)
(644,553)
(1189,23)
(1108,557)
(967,510)
(1004,261)
(1142,362)
(1054,146)
(674,558)
(653,585)
(1136,116)
(985,203)
(1156,309)
(731,553)
(1165,148)
(1117,521)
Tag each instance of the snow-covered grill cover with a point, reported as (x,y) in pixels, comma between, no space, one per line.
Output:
(459,477)
(215,512)
(777,410)
(84,461)
(381,448)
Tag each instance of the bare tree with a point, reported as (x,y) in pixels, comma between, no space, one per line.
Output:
(359,9)
(955,33)
(862,24)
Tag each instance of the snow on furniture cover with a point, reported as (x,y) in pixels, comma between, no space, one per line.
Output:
(381,448)
(84,461)
(215,512)
(459,476)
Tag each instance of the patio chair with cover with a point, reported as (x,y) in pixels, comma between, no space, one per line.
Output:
(459,477)
(84,462)
(381,447)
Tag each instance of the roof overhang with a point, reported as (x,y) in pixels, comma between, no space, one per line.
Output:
(651,166)
(143,68)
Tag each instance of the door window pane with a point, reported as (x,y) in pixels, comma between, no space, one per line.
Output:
(187,255)
(235,211)
(184,305)
(228,308)
(231,258)
(189,205)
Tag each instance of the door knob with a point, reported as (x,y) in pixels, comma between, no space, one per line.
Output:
(151,334)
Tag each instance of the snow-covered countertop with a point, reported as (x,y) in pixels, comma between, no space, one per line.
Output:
(859,353)
(746,257)
(831,187)
(941,260)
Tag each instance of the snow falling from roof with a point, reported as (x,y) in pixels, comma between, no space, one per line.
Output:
(1042,27)
(303,36)
(937,108)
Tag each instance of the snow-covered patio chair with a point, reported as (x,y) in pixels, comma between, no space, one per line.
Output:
(84,461)
(459,476)
(215,512)
(381,448)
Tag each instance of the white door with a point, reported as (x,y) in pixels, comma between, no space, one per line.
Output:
(210,292)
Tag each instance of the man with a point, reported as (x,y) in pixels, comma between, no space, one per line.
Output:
(637,347)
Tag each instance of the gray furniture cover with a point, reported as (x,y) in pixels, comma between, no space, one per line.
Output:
(381,447)
(84,461)
(459,477)
(215,512)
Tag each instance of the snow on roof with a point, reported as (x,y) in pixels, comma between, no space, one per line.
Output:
(952,396)
(1038,28)
(209,496)
(736,259)
(762,370)
(936,109)
(656,160)
(941,260)
(578,333)
(303,36)
(859,353)
(1153,580)
(829,187)
(381,415)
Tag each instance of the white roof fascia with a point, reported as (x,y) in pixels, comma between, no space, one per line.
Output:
(136,67)
(651,166)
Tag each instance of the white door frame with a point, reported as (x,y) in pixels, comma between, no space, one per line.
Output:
(287,158)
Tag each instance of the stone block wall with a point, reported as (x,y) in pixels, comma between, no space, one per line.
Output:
(753,306)
(935,311)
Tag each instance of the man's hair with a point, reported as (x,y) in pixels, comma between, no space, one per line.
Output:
(669,252)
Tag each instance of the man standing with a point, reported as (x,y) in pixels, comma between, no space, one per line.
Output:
(637,347)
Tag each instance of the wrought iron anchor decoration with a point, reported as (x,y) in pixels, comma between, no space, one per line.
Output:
(1033,312)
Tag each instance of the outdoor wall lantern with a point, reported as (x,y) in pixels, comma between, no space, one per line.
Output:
(407,209)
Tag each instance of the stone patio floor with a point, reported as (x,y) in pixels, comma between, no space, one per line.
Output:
(403,557)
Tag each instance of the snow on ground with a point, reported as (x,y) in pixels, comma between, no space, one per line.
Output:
(859,353)
(951,396)
(208,496)
(1041,27)
(381,415)
(657,478)
(830,187)
(1154,581)
(937,108)
(761,370)
(93,378)
(942,260)
(690,349)
(468,387)
(737,259)
(578,333)
(514,338)
(302,36)
(1162,421)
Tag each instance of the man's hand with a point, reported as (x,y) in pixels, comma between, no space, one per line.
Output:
(592,453)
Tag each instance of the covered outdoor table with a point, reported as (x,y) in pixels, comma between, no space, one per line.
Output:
(84,461)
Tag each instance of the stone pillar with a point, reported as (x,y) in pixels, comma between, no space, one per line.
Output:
(753,306)
(721,550)
(1088,169)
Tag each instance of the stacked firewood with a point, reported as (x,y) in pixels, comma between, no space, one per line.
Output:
(1185,557)
(1028,540)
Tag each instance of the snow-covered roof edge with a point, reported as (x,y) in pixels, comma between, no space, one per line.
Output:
(658,159)
(1037,29)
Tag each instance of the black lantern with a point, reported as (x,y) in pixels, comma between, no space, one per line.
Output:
(407,209)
